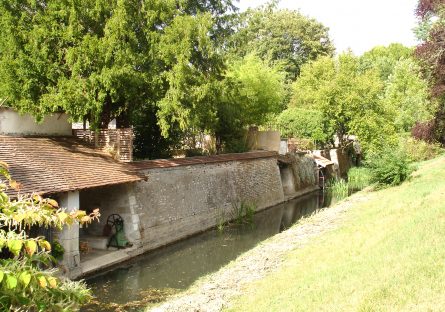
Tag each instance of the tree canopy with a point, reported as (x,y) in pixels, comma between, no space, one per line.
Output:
(384,59)
(281,36)
(430,52)
(104,59)
(407,96)
(347,98)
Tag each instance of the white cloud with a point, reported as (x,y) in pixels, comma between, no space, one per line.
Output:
(358,24)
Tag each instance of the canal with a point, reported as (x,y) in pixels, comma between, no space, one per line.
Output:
(151,277)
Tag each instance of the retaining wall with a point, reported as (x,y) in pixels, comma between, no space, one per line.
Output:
(178,202)
(299,175)
(183,197)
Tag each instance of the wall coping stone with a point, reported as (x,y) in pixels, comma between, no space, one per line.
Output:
(200,160)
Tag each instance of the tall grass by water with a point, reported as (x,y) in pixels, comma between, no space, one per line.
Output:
(339,188)
(241,214)
(358,179)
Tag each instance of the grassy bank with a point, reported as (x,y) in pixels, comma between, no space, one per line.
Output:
(388,256)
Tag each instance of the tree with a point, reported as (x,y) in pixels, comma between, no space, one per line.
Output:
(347,98)
(407,96)
(282,37)
(105,59)
(26,280)
(305,124)
(384,59)
(431,32)
(251,91)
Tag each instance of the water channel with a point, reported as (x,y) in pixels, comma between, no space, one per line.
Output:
(149,277)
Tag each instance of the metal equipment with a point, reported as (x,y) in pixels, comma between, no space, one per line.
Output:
(115,227)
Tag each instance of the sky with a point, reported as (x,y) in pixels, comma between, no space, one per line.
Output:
(357,24)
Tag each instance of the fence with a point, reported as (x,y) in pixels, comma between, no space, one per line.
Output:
(117,142)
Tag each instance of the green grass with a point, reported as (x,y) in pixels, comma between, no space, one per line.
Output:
(339,188)
(389,255)
(359,178)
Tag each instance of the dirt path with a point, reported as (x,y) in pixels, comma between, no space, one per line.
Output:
(213,292)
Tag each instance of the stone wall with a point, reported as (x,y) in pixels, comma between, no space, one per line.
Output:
(184,197)
(299,176)
(178,202)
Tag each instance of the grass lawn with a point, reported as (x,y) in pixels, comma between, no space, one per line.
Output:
(388,256)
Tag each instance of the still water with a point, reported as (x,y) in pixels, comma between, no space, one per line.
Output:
(149,277)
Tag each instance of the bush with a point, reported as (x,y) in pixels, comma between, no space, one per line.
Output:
(389,168)
(425,131)
(418,150)
(27,281)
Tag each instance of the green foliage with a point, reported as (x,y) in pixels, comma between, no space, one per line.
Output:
(57,250)
(243,212)
(339,188)
(348,99)
(257,89)
(418,150)
(251,91)
(359,178)
(26,282)
(304,124)
(105,59)
(384,59)
(407,96)
(389,167)
(281,36)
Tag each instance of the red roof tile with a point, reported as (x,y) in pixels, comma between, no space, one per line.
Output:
(60,164)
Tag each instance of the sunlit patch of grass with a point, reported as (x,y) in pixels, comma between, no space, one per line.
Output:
(387,256)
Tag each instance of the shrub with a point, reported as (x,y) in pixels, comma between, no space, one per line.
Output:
(425,131)
(27,282)
(418,150)
(389,168)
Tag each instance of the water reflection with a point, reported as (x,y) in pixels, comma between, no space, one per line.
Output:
(179,265)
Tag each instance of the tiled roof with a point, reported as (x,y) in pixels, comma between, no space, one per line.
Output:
(60,164)
(176,162)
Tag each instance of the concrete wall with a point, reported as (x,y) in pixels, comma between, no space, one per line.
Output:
(177,202)
(264,140)
(341,161)
(12,123)
(300,176)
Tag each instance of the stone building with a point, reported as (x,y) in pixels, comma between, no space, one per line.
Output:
(47,160)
